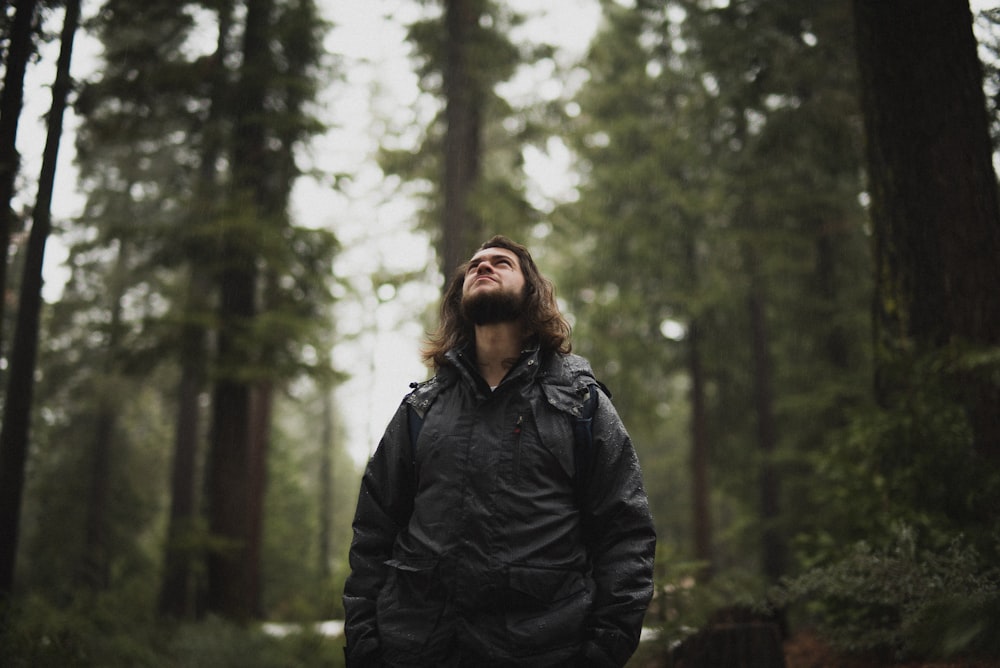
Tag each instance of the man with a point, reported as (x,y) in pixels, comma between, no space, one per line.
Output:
(502,520)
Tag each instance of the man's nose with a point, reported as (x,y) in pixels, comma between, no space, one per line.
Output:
(484,267)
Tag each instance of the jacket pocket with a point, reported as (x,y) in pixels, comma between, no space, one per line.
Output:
(409,605)
(547,608)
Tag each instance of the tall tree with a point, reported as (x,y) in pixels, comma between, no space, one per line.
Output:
(14,434)
(462,139)
(934,197)
(177,590)
(468,155)
(232,589)
(271,282)
(20,46)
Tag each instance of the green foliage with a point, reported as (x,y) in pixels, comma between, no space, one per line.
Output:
(684,599)
(109,629)
(113,632)
(219,644)
(904,599)
(912,461)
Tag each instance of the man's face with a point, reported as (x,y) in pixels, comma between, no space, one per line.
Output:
(493,290)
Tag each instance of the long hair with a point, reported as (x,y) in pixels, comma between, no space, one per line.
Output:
(542,318)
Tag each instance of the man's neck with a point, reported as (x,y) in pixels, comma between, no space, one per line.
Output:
(498,347)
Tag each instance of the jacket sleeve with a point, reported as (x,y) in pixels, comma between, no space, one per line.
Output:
(385,503)
(621,540)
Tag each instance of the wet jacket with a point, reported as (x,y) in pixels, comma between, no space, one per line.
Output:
(483,544)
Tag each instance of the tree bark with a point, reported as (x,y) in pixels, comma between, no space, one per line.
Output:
(14,436)
(933,192)
(460,229)
(19,50)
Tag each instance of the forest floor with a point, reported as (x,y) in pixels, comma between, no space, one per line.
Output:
(805,649)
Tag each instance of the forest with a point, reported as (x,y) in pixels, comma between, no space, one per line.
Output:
(776,235)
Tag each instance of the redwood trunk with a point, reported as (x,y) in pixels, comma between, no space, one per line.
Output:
(233,567)
(177,593)
(461,144)
(934,192)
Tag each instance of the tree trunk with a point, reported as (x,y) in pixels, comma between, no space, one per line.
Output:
(14,435)
(177,593)
(700,488)
(700,447)
(773,548)
(231,569)
(460,230)
(96,565)
(326,486)
(934,194)
(19,50)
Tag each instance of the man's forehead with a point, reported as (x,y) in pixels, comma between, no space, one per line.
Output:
(490,253)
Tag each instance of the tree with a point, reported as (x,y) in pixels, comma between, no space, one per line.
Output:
(19,49)
(177,591)
(14,434)
(271,279)
(933,200)
(467,154)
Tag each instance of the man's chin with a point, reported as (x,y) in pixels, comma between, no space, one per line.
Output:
(492,308)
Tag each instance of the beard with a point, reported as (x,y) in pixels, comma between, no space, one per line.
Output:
(490,308)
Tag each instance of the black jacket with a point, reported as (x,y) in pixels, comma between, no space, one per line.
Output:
(484,540)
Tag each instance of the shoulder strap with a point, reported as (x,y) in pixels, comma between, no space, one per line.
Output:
(415,421)
(583,436)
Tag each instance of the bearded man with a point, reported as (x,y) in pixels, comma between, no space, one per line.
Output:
(502,519)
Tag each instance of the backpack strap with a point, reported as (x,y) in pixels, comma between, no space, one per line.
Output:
(583,433)
(417,403)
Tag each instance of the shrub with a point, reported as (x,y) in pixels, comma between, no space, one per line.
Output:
(904,601)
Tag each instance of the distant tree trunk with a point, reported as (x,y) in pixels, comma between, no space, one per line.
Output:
(176,591)
(19,50)
(700,455)
(177,595)
(700,446)
(836,342)
(14,436)
(260,446)
(773,548)
(460,229)
(326,486)
(934,193)
(96,565)
(232,570)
